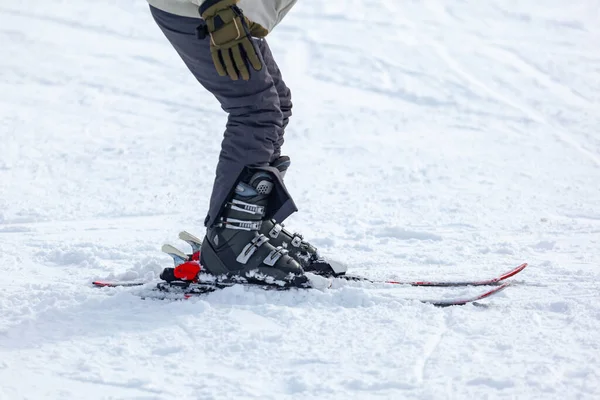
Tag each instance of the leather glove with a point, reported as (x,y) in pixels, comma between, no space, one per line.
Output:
(230,38)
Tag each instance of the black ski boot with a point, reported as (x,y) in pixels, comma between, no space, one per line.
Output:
(236,248)
(300,250)
(303,252)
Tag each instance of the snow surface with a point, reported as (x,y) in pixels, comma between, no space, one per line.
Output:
(431,139)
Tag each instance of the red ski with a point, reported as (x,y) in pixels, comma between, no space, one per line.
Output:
(483,282)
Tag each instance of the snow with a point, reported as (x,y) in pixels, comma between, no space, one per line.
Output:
(430,140)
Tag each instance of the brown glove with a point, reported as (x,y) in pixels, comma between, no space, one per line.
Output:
(231,34)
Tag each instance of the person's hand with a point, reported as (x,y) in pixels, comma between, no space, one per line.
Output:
(231,34)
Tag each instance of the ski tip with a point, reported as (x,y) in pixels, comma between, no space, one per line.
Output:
(497,289)
(101,284)
(467,300)
(514,271)
(490,292)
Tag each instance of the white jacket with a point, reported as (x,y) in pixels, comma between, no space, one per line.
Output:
(267,13)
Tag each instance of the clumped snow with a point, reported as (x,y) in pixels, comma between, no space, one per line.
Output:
(430,140)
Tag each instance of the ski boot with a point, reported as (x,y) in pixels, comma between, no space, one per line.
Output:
(236,247)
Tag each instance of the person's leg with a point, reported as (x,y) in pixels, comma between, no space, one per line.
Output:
(255,121)
(246,189)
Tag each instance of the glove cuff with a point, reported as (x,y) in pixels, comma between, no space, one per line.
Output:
(210,7)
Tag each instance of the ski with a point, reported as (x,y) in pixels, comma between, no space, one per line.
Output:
(196,243)
(185,290)
(177,256)
(483,282)
(166,291)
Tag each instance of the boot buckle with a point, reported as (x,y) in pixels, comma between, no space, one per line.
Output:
(250,248)
(274,256)
(275,231)
(296,241)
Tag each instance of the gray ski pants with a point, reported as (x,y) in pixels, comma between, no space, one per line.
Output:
(259,110)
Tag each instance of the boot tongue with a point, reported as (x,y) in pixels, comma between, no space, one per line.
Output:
(262,182)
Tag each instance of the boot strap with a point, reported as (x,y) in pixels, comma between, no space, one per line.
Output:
(275,255)
(275,231)
(239,224)
(297,239)
(250,248)
(242,206)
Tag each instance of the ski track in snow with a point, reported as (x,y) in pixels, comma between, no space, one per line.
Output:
(430,140)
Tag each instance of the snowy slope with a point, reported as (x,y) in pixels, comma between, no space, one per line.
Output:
(431,139)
